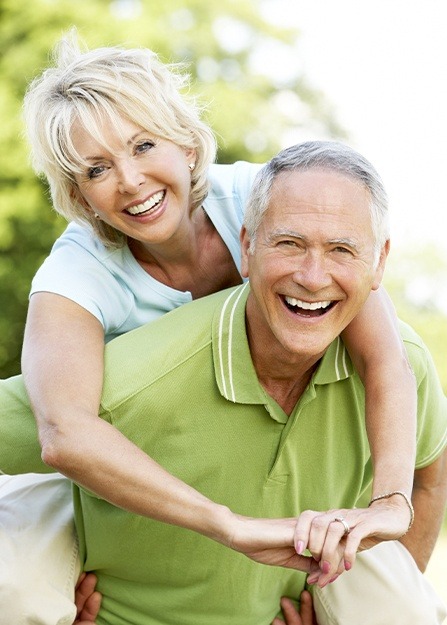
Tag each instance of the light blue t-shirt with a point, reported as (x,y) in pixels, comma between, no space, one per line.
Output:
(111,284)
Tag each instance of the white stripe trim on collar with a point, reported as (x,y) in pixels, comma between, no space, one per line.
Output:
(341,359)
(232,395)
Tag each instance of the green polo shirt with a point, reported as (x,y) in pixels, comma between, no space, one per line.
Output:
(184,389)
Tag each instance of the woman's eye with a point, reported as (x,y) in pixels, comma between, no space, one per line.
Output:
(94,172)
(144,146)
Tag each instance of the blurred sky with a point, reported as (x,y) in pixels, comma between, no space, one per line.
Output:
(383,64)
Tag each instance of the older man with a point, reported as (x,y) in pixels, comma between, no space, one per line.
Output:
(249,396)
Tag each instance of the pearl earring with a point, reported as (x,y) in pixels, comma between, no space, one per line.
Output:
(191,166)
(96,216)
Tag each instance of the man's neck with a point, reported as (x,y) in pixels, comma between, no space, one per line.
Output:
(286,392)
(283,375)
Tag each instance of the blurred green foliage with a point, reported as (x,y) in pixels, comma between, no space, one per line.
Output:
(217,41)
(253,104)
(416,278)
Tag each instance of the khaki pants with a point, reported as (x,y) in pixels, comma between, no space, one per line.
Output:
(39,567)
(39,563)
(385,587)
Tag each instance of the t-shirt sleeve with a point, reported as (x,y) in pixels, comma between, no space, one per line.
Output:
(432,403)
(245,174)
(20,451)
(72,270)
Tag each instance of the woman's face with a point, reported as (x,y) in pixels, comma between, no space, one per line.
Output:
(141,185)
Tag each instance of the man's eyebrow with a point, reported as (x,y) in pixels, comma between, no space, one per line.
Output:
(284,232)
(278,234)
(344,241)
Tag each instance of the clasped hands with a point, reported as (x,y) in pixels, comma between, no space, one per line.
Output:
(317,543)
(321,544)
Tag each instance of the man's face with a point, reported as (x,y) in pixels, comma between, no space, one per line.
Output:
(313,263)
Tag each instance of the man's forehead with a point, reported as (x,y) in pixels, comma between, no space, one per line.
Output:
(320,190)
(316,178)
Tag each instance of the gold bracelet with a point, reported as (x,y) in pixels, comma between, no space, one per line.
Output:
(402,494)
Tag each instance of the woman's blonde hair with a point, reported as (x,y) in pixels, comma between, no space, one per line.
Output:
(108,83)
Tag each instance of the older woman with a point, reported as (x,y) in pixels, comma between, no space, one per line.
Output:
(155,224)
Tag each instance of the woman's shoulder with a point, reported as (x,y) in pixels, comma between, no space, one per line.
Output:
(81,240)
(235,179)
(83,270)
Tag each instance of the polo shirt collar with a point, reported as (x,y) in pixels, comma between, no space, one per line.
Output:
(234,370)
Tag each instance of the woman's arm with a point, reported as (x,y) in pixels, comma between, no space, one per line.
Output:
(375,346)
(62,365)
(63,371)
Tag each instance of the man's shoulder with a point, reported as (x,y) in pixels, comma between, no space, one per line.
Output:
(418,353)
(139,357)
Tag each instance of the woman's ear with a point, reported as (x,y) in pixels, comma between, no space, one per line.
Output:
(191,156)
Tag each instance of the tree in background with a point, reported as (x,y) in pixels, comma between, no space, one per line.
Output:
(229,50)
(247,72)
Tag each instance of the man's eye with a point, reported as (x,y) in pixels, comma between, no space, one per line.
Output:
(342,250)
(287,243)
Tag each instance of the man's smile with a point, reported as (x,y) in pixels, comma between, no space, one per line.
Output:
(307,309)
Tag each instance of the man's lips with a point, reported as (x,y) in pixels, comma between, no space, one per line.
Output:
(308,309)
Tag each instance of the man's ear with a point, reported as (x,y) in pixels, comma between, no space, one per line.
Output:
(245,245)
(381,265)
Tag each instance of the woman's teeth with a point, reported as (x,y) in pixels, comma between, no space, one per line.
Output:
(148,205)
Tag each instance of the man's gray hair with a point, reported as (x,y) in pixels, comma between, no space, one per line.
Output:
(323,155)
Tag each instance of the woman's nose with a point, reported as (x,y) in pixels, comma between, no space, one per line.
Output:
(130,178)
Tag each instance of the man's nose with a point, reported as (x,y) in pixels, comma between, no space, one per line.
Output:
(312,271)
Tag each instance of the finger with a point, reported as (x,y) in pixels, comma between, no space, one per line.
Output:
(84,589)
(291,614)
(81,578)
(318,533)
(314,573)
(302,530)
(91,608)
(307,609)
(333,551)
(351,548)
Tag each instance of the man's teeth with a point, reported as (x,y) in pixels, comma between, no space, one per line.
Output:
(307,305)
(150,203)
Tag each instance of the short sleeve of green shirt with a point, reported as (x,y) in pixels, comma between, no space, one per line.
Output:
(432,402)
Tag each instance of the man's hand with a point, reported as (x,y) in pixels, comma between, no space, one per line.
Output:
(306,615)
(87,600)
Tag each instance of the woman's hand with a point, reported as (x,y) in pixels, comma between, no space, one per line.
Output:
(330,544)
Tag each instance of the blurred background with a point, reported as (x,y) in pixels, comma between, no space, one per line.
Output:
(270,73)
